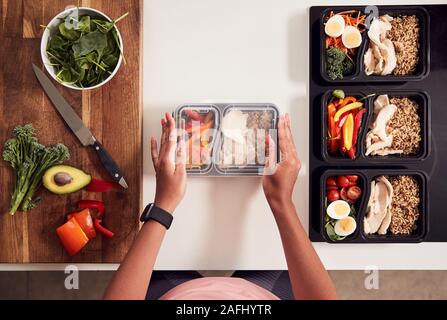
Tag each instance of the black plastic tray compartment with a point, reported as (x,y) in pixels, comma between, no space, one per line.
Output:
(423,100)
(323,63)
(359,205)
(422,223)
(423,66)
(324,127)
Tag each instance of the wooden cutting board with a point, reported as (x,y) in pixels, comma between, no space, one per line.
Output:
(112,112)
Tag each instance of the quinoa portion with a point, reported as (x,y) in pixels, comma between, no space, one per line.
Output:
(405,205)
(405,126)
(404,34)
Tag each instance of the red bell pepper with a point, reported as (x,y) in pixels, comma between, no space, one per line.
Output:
(84,218)
(99,206)
(98,185)
(72,236)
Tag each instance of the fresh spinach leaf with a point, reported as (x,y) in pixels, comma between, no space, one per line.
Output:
(85,52)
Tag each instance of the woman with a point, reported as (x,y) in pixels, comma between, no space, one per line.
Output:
(308,278)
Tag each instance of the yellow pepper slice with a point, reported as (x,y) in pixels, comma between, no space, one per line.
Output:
(348,132)
(349,107)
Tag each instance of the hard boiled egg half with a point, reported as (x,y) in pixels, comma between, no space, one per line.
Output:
(345,226)
(335,26)
(338,209)
(351,37)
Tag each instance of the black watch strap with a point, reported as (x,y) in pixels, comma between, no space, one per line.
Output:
(151,212)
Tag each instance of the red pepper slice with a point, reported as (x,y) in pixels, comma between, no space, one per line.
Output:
(97,222)
(93,204)
(351,152)
(103,230)
(357,124)
(98,185)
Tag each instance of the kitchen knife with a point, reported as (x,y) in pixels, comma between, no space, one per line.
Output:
(77,126)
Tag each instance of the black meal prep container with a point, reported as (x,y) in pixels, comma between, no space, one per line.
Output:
(425,86)
(366,176)
(421,98)
(423,67)
(214,169)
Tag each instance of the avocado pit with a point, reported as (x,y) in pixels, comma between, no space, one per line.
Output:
(62,178)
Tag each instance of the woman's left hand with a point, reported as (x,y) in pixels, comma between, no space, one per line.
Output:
(169,165)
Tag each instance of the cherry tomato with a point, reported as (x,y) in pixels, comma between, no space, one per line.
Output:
(332,188)
(352,178)
(342,181)
(333,195)
(354,193)
(352,183)
(331,182)
(344,194)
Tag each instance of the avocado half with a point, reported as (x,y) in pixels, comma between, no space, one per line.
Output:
(65,179)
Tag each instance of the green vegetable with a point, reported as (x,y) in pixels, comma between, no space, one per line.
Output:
(338,64)
(340,94)
(30,160)
(85,52)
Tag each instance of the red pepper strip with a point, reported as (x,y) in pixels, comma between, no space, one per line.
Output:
(346,101)
(101,229)
(93,204)
(351,152)
(357,124)
(98,185)
(98,205)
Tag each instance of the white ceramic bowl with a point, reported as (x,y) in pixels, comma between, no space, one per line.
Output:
(52,28)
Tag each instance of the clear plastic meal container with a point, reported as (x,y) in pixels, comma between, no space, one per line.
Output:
(234,144)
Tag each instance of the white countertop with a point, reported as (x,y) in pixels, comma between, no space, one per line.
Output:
(239,51)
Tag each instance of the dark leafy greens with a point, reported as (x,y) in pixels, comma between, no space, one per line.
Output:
(85,52)
(30,160)
(338,64)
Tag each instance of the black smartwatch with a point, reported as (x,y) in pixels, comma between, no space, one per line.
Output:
(151,212)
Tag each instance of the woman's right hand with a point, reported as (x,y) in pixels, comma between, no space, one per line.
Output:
(279,179)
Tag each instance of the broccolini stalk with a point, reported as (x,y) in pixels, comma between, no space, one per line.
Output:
(53,156)
(28,158)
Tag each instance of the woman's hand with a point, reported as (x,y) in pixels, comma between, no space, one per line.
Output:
(280,178)
(169,165)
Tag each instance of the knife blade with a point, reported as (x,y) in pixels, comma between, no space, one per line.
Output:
(76,125)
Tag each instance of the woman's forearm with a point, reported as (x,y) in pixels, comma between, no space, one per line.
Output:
(134,274)
(308,276)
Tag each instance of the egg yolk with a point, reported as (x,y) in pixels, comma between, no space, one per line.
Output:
(340,209)
(347,224)
(334,28)
(352,38)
